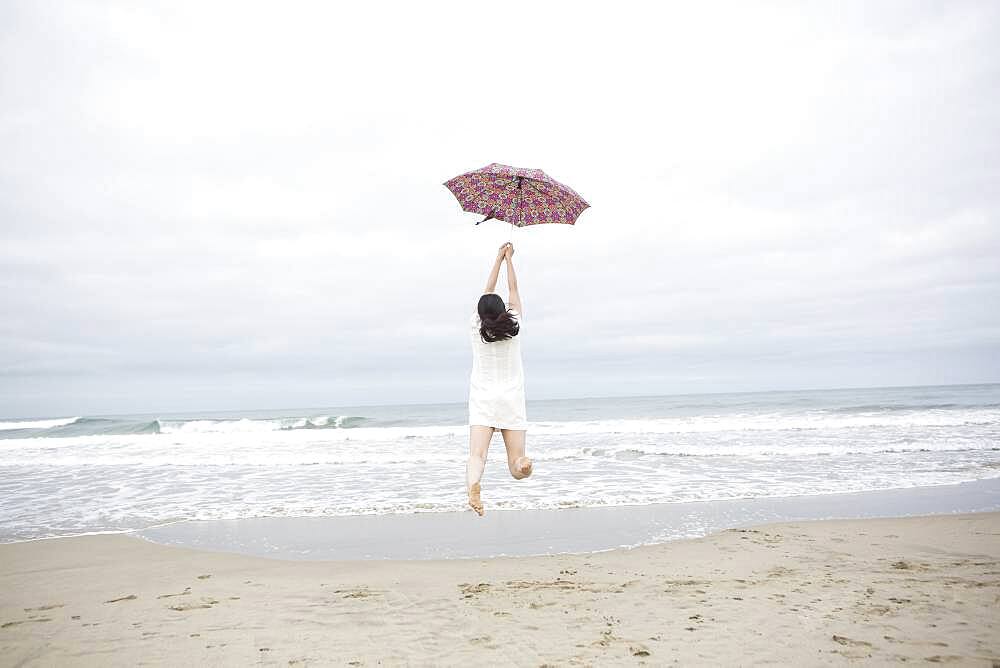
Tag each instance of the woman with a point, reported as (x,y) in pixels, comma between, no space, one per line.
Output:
(496,387)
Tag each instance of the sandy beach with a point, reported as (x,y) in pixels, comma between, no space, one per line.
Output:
(923,589)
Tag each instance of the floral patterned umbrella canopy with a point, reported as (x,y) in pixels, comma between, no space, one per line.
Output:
(518,196)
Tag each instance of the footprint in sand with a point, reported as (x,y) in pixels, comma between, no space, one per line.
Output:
(204,577)
(6,625)
(948,658)
(187,590)
(468,590)
(483,641)
(607,637)
(184,607)
(361,592)
(844,640)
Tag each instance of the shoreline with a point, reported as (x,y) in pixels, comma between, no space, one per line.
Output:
(808,593)
(225,535)
(528,533)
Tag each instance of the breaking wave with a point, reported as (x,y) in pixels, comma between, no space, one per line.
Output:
(38,424)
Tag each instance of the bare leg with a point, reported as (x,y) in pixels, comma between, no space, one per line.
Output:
(479,445)
(519,465)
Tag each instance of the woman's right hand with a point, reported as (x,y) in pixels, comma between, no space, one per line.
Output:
(509,253)
(503,250)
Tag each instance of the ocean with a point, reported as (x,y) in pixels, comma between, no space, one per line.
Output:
(69,475)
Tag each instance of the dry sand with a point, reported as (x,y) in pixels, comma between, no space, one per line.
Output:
(923,589)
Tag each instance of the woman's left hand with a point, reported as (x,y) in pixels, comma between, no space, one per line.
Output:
(503,250)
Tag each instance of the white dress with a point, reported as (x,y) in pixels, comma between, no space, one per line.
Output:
(496,386)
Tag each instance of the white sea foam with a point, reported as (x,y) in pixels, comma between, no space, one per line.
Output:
(319,448)
(334,429)
(670,425)
(37,424)
(245,425)
(122,473)
(770,422)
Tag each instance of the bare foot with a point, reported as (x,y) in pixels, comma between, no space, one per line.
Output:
(474,500)
(523,466)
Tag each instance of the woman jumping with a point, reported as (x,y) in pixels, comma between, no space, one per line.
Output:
(496,388)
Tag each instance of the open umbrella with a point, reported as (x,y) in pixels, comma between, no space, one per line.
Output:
(518,196)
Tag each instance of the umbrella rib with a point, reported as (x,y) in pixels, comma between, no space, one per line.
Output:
(504,187)
(564,191)
(520,201)
(570,202)
(501,194)
(479,197)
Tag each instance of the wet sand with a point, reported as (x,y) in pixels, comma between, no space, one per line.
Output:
(525,533)
(923,589)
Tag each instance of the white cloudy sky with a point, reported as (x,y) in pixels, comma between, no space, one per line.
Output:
(217,206)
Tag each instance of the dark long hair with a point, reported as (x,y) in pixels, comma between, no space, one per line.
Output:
(497,322)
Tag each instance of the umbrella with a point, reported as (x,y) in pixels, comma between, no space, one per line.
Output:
(518,196)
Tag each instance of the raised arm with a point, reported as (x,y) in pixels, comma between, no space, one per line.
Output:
(491,282)
(514,298)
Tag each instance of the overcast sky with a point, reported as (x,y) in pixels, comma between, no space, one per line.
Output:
(216,206)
